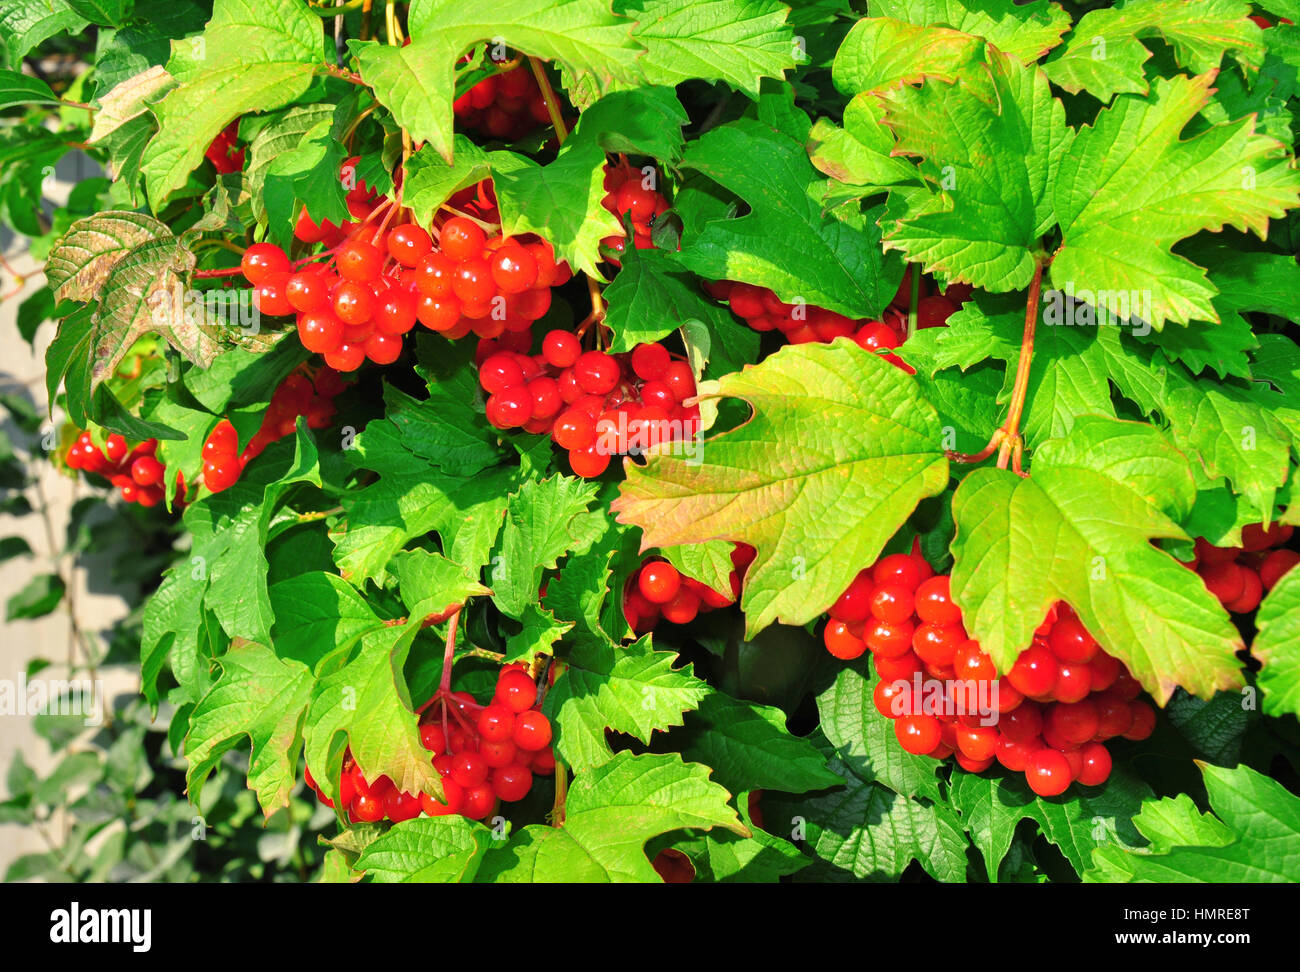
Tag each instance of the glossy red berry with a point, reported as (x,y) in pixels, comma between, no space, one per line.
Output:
(934,601)
(461,239)
(262,259)
(1048,772)
(918,734)
(512,782)
(516,691)
(496,723)
(659,582)
(532,730)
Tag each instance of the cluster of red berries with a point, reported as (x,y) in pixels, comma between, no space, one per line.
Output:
(1240,576)
(508,105)
(484,753)
(658,589)
(1048,717)
(134,470)
(593,404)
(762,310)
(629,192)
(225,153)
(378,283)
(297,395)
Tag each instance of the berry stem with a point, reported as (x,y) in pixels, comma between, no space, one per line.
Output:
(552,102)
(916,299)
(444,683)
(343,74)
(561,791)
(1011,427)
(222,272)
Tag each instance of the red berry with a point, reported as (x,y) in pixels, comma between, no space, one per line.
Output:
(561,349)
(478,802)
(516,691)
(892,603)
(1252,590)
(408,244)
(596,373)
(659,582)
(1070,641)
(353,304)
(512,782)
(1074,722)
(454,795)
(855,603)
(320,332)
(499,372)
(532,730)
(262,259)
(589,462)
(918,734)
(461,239)
(934,601)
(1034,672)
(269,295)
(1048,772)
(513,269)
(147,471)
(1073,682)
(359,261)
(650,361)
(1096,764)
(1225,581)
(902,569)
(496,723)
(468,769)
(1274,567)
(937,644)
(432,739)
(888,640)
(841,641)
(1144,721)
(970,662)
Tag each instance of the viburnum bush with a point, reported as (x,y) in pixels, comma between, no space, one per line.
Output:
(723,441)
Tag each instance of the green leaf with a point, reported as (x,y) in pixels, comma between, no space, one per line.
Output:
(785,242)
(864,740)
(416,82)
(870,832)
(409,500)
(870,451)
(1119,224)
(544,521)
(1277,646)
(1105,54)
(282,134)
(652,296)
(881,52)
(11,547)
(427,850)
(315,613)
(708,562)
(644,121)
(367,701)
(309,171)
(433,586)
(84,256)
(1257,839)
(255,55)
(1095,500)
(561,201)
(431,181)
(739,42)
(1083,818)
(724,857)
(609,814)
(631,689)
(38,597)
(126,100)
(25,25)
(263,697)
(988,148)
(107,13)
(750,747)
(19,89)
(1027,31)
